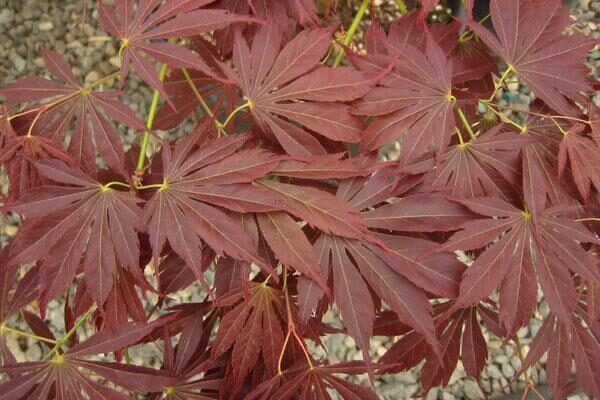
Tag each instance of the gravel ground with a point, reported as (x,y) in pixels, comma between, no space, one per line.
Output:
(28,25)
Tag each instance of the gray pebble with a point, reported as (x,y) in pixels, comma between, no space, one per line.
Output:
(19,62)
(472,390)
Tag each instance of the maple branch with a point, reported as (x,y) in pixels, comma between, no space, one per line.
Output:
(201,100)
(4,328)
(463,118)
(57,348)
(150,121)
(351,31)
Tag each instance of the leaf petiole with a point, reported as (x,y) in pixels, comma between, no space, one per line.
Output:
(201,100)
(115,183)
(4,328)
(153,186)
(234,112)
(466,124)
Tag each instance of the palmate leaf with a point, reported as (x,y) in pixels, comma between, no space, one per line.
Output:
(415,97)
(394,274)
(253,327)
(542,244)
(284,88)
(566,342)
(461,338)
(73,102)
(583,155)
(300,382)
(530,40)
(140,29)
(62,378)
(489,165)
(18,155)
(75,221)
(200,190)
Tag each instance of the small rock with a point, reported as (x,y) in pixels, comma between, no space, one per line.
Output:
(45,26)
(494,372)
(448,396)
(92,76)
(433,394)
(33,352)
(19,62)
(508,371)
(6,16)
(516,363)
(501,359)
(472,390)
(10,230)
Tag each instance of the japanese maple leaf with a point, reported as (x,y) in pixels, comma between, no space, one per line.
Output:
(541,156)
(286,90)
(77,220)
(141,32)
(18,154)
(71,102)
(566,342)
(201,189)
(15,293)
(530,40)
(189,356)
(67,375)
(301,382)
(481,167)
(286,14)
(461,338)
(394,274)
(532,246)
(583,155)
(253,327)
(414,101)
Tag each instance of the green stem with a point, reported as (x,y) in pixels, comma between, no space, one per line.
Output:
(402,6)
(234,112)
(56,349)
(463,118)
(4,328)
(351,31)
(150,121)
(498,85)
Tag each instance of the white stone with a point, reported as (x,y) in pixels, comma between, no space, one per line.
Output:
(473,391)
(45,26)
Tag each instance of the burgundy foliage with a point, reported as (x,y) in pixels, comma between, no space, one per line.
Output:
(277,207)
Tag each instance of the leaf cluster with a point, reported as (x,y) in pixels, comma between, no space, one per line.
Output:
(277,207)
